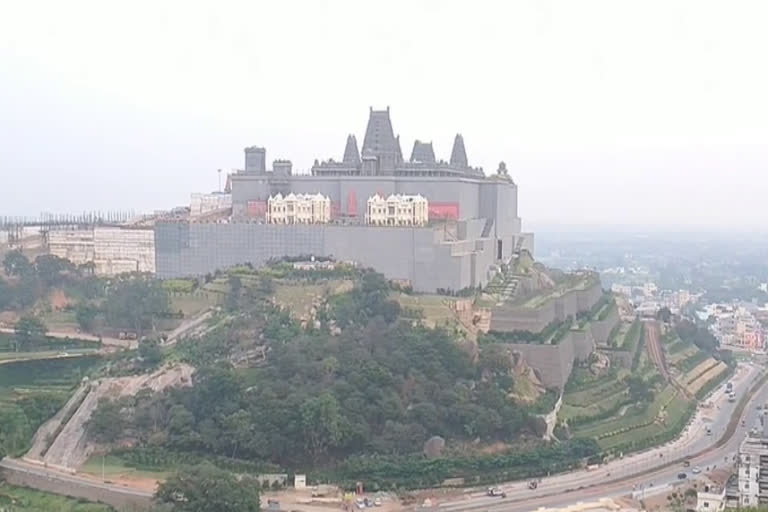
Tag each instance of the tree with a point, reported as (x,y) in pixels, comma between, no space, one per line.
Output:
(106,423)
(26,291)
(16,264)
(235,287)
(699,336)
(664,314)
(85,316)
(6,295)
(51,269)
(29,329)
(321,420)
(135,303)
(495,359)
(150,353)
(206,488)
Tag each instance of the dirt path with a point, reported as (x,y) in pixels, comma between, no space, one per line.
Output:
(194,325)
(653,345)
(656,352)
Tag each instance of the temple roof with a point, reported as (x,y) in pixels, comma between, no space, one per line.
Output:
(423,152)
(351,153)
(459,154)
(379,138)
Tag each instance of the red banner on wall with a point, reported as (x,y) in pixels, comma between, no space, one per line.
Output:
(256,208)
(444,211)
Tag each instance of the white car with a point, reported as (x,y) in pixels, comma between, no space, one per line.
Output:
(696,470)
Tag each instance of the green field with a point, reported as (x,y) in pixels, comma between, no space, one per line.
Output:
(626,337)
(569,284)
(634,417)
(601,407)
(60,320)
(21,499)
(193,303)
(435,308)
(115,467)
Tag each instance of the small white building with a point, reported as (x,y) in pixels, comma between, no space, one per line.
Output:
(298,209)
(397,210)
(711,498)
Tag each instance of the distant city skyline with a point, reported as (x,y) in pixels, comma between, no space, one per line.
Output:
(647,116)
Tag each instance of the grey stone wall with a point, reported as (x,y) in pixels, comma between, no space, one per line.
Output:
(476,198)
(510,317)
(601,329)
(554,363)
(120,499)
(420,255)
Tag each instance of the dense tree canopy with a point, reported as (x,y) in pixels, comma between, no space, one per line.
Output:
(29,329)
(205,488)
(696,334)
(135,302)
(383,385)
(16,264)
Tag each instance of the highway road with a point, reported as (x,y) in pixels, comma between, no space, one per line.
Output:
(74,481)
(635,472)
(646,470)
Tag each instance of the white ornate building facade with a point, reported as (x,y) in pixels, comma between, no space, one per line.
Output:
(298,209)
(397,210)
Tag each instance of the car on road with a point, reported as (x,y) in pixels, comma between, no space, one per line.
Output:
(377,502)
(495,491)
(686,463)
(696,470)
(682,476)
(533,484)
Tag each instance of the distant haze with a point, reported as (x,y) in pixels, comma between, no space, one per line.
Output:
(651,114)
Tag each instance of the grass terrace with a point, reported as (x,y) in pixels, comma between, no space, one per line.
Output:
(626,337)
(435,308)
(571,283)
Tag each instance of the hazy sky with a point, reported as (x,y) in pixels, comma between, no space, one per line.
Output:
(645,113)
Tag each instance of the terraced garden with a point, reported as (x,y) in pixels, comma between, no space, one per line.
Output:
(626,337)
(712,373)
(637,422)
(603,408)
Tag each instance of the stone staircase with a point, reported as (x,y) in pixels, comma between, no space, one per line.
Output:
(506,288)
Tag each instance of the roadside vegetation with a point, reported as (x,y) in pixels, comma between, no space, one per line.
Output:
(22,499)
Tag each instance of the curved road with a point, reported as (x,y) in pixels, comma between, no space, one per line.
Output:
(635,472)
(616,478)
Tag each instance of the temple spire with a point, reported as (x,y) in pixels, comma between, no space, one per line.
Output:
(459,154)
(351,153)
(380,141)
(422,152)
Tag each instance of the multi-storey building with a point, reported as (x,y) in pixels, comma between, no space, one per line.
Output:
(753,471)
(397,210)
(111,249)
(736,326)
(298,209)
